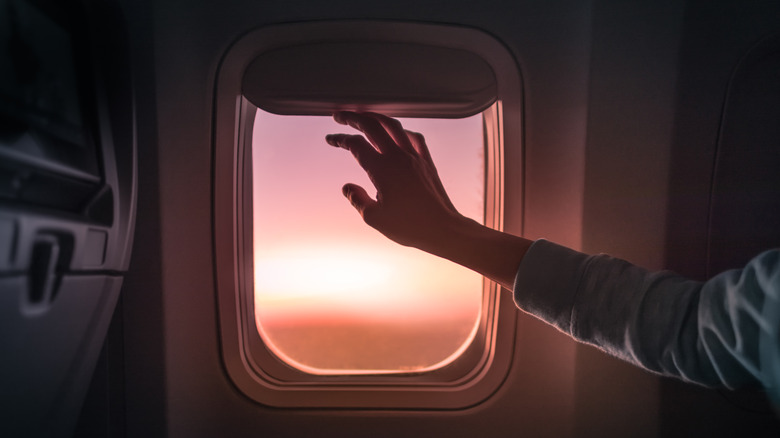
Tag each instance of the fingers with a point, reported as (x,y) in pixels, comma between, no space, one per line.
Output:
(396,130)
(364,153)
(372,127)
(418,141)
(358,197)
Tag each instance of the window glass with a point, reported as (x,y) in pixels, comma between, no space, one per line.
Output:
(332,295)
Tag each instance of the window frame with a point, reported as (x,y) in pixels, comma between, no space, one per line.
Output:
(252,367)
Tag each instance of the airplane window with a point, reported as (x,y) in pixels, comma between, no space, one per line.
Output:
(316,308)
(333,296)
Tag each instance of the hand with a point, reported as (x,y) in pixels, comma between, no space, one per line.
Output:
(411,205)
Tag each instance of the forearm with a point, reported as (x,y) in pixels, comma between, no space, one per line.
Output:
(492,253)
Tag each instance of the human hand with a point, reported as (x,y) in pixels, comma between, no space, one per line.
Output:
(411,206)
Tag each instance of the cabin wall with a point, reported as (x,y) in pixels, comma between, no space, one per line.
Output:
(717,38)
(660,76)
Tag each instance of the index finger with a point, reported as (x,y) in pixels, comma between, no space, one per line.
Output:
(373,129)
(363,152)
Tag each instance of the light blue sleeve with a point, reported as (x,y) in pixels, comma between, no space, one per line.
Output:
(723,332)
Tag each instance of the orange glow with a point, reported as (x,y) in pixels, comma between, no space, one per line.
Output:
(332,295)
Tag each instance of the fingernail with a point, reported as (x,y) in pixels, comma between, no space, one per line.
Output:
(338,116)
(330,139)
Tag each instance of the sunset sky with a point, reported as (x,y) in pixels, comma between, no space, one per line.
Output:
(318,265)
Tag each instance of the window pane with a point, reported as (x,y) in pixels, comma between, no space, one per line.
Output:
(332,295)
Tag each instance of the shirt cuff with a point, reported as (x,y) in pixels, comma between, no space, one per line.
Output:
(547,282)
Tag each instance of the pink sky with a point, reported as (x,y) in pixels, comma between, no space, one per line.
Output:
(315,259)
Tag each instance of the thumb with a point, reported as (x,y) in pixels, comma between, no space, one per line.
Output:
(358,198)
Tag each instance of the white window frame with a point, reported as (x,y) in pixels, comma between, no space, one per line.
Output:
(257,372)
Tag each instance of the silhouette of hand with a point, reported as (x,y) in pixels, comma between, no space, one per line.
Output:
(411,206)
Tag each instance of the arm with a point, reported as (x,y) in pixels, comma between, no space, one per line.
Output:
(721,332)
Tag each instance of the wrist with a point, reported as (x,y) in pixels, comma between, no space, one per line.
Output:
(490,252)
(447,239)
